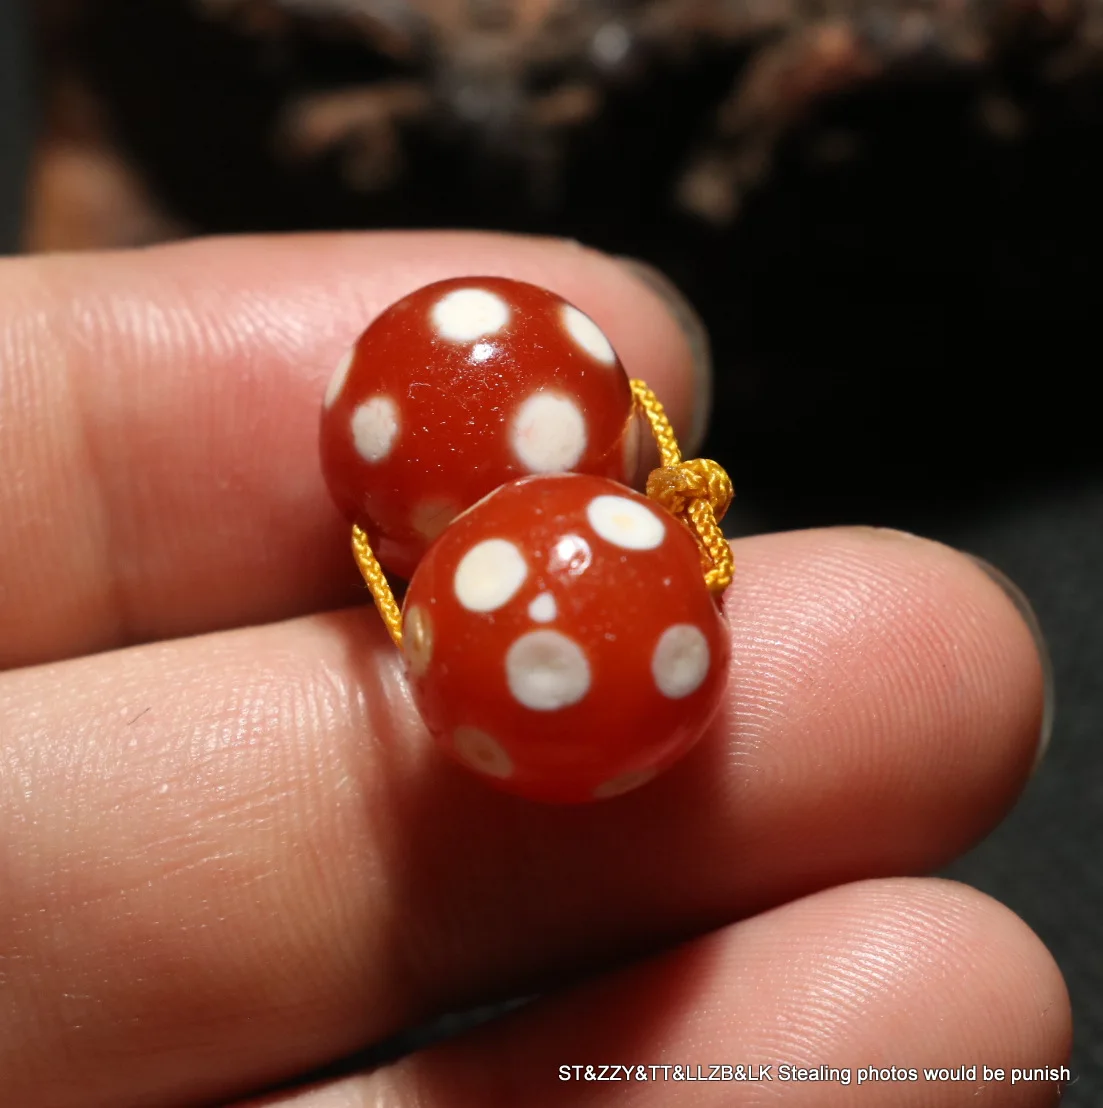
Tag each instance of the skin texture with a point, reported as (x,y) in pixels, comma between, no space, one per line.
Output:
(229,852)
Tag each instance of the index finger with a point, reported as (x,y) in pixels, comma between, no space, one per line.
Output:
(159,412)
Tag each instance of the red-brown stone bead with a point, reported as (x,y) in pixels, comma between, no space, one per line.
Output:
(561,641)
(458,388)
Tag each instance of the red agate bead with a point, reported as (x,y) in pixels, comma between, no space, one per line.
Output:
(458,388)
(561,641)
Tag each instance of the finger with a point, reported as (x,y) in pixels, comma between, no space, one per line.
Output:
(232,857)
(160,412)
(804,1002)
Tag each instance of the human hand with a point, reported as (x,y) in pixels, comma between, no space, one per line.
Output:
(229,853)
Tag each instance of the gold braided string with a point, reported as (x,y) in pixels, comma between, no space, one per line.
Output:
(697,491)
(376,580)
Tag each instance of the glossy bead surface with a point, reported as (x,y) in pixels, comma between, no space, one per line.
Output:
(560,640)
(458,388)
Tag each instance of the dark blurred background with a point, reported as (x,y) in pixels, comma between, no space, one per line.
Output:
(899,264)
(16,122)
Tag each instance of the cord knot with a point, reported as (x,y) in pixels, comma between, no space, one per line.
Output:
(698,492)
(677,486)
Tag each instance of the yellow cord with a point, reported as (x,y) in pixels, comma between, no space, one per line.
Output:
(376,580)
(697,491)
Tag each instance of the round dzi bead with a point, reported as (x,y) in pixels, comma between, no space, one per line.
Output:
(458,388)
(560,639)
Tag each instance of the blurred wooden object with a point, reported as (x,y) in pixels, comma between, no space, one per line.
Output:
(890,200)
(83,192)
(173,115)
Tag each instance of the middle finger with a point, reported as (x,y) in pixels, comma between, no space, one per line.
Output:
(230,858)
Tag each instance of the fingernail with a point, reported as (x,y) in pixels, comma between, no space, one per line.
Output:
(1025,609)
(696,336)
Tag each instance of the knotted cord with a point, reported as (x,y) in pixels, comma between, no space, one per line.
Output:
(697,491)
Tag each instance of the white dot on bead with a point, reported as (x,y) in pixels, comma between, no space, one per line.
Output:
(680,662)
(340,376)
(489,575)
(417,640)
(431,517)
(482,753)
(374,428)
(625,523)
(543,609)
(625,783)
(468,314)
(547,671)
(588,335)
(548,433)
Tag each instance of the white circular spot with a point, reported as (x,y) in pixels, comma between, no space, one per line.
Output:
(543,609)
(546,671)
(417,640)
(489,575)
(375,427)
(482,753)
(340,376)
(632,450)
(625,523)
(548,433)
(681,660)
(431,517)
(468,314)
(625,783)
(588,335)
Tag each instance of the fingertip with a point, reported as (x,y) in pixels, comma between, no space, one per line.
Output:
(1025,610)
(1000,950)
(910,686)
